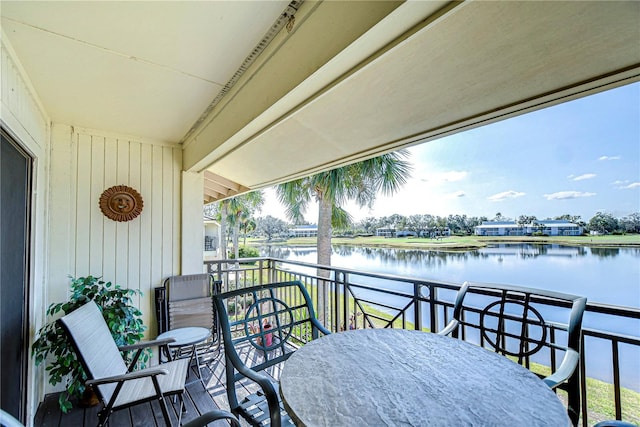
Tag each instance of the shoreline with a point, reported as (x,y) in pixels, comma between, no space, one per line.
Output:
(463,243)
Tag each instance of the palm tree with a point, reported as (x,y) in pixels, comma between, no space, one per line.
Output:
(241,208)
(360,182)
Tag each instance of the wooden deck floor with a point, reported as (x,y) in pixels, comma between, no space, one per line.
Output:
(198,400)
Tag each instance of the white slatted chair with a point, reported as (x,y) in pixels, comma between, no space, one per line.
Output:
(118,386)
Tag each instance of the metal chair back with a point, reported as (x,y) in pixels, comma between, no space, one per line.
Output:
(261,327)
(189,301)
(514,321)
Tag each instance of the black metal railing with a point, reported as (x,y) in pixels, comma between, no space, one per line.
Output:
(346,298)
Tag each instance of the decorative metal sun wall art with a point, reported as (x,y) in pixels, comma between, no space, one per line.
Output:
(121,203)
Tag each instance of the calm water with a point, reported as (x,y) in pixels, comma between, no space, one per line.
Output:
(604,275)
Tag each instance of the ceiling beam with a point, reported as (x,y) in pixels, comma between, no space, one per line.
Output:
(273,75)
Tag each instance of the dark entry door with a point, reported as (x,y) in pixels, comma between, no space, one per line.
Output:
(15,194)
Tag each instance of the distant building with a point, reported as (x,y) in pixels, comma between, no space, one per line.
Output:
(406,233)
(211,238)
(304,231)
(386,232)
(511,228)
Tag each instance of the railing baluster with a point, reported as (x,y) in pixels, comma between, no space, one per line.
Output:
(616,378)
(417,308)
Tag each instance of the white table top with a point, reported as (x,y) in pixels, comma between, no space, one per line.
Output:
(186,336)
(394,377)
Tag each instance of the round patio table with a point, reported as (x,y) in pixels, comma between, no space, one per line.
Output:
(394,377)
(186,339)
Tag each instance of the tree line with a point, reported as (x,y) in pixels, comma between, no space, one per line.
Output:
(602,222)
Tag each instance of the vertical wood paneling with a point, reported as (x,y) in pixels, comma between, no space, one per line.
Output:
(20,102)
(157,215)
(122,228)
(167,209)
(177,209)
(133,271)
(137,254)
(146,190)
(83,203)
(110,229)
(96,248)
(73,203)
(60,195)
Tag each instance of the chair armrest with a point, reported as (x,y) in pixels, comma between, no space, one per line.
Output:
(451,326)
(209,417)
(566,369)
(146,344)
(270,392)
(139,346)
(319,326)
(149,372)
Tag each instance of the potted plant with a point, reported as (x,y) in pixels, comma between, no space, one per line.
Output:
(52,344)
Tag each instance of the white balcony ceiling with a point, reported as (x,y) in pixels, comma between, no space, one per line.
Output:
(347,80)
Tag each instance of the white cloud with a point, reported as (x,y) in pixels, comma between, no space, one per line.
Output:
(564,195)
(583,176)
(450,176)
(609,158)
(505,195)
(458,194)
(625,185)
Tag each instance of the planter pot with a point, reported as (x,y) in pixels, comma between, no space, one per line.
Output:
(89,398)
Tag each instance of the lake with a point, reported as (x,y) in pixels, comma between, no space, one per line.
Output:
(603,275)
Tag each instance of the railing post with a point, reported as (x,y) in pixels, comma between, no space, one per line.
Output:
(583,384)
(417,307)
(339,312)
(273,273)
(433,313)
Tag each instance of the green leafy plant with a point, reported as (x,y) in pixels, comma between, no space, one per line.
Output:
(246,252)
(52,344)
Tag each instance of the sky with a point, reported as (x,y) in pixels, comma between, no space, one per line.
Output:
(577,158)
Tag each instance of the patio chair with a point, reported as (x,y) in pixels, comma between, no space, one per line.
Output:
(261,327)
(185,301)
(509,321)
(117,385)
(209,417)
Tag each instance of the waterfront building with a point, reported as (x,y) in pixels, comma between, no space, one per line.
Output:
(512,228)
(308,230)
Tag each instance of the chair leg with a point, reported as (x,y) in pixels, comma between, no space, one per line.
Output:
(182,408)
(573,399)
(103,416)
(165,411)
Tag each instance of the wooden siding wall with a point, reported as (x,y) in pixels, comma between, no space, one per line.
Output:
(21,111)
(137,254)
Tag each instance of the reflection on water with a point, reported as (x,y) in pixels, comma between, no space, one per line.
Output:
(605,275)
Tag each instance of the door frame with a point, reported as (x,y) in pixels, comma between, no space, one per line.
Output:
(12,139)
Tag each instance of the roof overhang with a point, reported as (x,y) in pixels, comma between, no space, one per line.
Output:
(424,71)
(260,92)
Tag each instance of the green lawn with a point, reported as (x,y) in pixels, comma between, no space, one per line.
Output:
(463,242)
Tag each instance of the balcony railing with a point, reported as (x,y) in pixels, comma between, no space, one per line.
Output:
(357,299)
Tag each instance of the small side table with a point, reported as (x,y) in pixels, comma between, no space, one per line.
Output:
(186,338)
